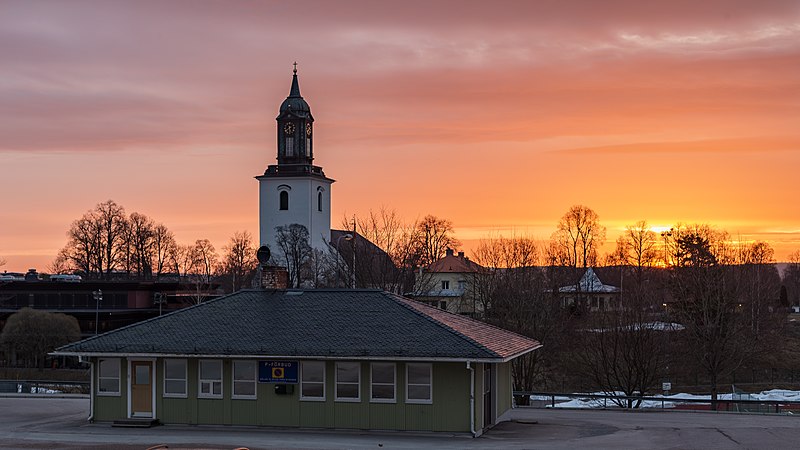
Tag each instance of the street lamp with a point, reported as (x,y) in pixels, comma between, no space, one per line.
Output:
(98,298)
(347,237)
(160,298)
(666,234)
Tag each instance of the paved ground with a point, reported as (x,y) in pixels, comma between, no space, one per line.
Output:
(28,423)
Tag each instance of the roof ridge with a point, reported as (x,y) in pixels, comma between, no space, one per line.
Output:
(402,301)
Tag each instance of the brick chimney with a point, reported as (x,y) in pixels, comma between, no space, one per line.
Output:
(274,277)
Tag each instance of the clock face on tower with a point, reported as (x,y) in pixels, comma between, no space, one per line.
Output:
(288,128)
(308,129)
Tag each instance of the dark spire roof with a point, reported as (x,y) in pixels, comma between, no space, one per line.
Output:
(295,103)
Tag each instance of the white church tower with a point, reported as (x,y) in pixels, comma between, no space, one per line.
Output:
(295,190)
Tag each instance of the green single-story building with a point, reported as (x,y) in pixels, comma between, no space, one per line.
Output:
(345,359)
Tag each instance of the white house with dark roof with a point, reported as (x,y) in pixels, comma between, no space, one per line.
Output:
(590,292)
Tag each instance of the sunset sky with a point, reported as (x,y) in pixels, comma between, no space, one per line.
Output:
(496,115)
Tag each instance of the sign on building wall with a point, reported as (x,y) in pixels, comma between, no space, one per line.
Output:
(277,371)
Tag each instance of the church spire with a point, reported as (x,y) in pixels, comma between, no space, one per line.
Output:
(295,90)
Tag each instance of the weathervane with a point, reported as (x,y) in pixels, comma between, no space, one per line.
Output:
(295,68)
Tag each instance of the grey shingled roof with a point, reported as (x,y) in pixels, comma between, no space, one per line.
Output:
(310,323)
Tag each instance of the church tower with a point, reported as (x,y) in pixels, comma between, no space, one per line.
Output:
(295,190)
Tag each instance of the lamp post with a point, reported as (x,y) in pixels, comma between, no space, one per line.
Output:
(666,234)
(98,298)
(347,237)
(160,297)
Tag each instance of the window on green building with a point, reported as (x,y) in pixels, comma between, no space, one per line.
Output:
(244,379)
(108,376)
(312,380)
(210,375)
(419,382)
(348,381)
(382,385)
(175,378)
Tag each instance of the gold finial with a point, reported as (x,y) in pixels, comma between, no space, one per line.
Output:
(295,68)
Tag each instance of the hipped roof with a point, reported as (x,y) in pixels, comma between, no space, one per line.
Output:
(306,324)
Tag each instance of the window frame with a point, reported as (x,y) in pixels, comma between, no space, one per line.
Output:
(234,381)
(185,379)
(118,365)
(289,149)
(445,285)
(303,382)
(283,205)
(429,401)
(357,383)
(201,380)
(372,383)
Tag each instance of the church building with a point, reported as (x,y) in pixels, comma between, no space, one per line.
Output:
(295,191)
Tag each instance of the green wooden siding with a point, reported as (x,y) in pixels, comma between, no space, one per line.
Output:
(112,407)
(504,388)
(449,410)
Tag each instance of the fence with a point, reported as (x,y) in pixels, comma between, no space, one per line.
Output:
(601,401)
(43,387)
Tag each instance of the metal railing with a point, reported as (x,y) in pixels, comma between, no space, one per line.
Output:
(601,401)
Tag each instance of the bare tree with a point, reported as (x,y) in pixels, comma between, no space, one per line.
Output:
(637,248)
(295,250)
(433,237)
(514,292)
(623,349)
(182,261)
(384,258)
(140,240)
(238,261)
(791,279)
(163,246)
(111,223)
(577,238)
(205,258)
(96,241)
(708,289)
(61,264)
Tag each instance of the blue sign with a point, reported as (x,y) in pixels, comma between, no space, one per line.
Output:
(277,372)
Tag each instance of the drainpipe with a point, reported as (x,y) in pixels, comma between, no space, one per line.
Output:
(471,399)
(91,391)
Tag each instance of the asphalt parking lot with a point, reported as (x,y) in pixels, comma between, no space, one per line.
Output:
(28,423)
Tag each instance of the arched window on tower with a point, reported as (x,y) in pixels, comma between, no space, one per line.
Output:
(319,201)
(284,200)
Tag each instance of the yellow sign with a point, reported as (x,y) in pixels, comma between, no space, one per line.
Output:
(277,372)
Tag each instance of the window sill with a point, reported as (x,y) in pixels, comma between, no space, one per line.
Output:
(175,396)
(108,394)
